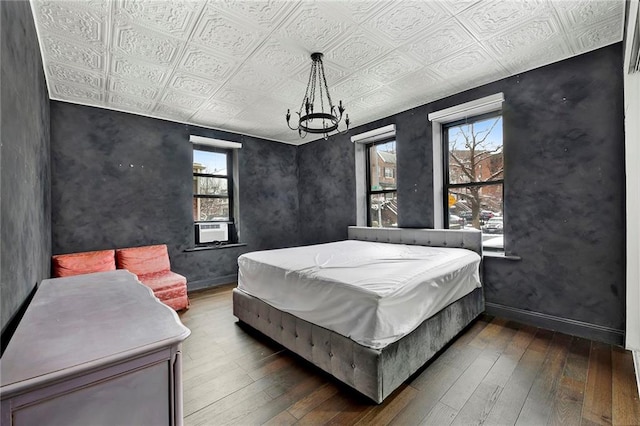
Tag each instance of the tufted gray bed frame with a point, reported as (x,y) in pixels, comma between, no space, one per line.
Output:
(375,373)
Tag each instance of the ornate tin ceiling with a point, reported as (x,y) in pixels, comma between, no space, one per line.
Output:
(239,65)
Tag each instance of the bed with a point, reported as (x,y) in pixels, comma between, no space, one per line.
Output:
(370,310)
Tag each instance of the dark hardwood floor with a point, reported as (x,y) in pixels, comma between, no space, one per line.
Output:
(497,372)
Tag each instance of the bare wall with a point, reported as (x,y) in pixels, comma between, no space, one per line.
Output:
(25,213)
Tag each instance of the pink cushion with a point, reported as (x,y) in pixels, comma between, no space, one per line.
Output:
(177,303)
(144,260)
(163,280)
(66,265)
(169,287)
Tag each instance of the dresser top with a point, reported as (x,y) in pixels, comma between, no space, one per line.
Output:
(76,323)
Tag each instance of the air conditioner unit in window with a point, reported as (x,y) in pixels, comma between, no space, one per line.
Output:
(211,232)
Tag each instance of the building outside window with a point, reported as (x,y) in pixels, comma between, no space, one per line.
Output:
(382,194)
(212,185)
(388,172)
(474,176)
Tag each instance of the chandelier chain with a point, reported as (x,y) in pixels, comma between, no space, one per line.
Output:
(324,80)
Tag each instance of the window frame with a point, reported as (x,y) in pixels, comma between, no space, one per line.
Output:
(447,185)
(229,177)
(368,190)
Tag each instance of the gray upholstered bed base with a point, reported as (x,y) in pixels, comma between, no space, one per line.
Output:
(375,373)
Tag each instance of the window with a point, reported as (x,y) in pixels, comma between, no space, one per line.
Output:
(362,142)
(212,185)
(215,192)
(474,176)
(382,194)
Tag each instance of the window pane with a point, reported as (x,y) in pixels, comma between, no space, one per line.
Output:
(475,151)
(479,207)
(382,159)
(209,186)
(210,209)
(213,163)
(384,210)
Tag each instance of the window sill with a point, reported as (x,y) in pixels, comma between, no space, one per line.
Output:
(500,255)
(214,247)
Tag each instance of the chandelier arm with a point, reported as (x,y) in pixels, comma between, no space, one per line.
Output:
(343,132)
(338,115)
(306,92)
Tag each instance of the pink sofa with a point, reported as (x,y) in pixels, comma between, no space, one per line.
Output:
(151,265)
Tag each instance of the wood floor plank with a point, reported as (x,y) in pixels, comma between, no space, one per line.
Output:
(441,415)
(206,393)
(281,381)
(395,403)
(325,411)
(578,360)
(264,407)
(300,408)
(459,393)
(506,333)
(472,331)
(432,384)
(508,361)
(507,408)
(357,408)
(488,333)
(227,417)
(461,357)
(567,406)
(597,399)
(538,406)
(282,419)
(624,389)
(268,365)
(257,391)
(477,408)
(262,413)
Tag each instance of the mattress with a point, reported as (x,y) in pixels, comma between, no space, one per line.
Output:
(373,293)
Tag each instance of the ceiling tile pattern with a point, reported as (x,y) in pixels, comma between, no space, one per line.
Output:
(136,71)
(239,65)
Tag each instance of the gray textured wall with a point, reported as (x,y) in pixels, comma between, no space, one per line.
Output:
(564,186)
(122,180)
(564,191)
(326,184)
(25,215)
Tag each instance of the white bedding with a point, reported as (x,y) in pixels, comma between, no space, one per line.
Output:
(373,293)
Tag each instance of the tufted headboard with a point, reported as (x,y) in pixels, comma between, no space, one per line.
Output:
(470,239)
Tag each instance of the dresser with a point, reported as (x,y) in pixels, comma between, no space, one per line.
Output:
(95,349)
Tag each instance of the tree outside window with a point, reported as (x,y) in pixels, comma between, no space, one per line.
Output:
(382,194)
(212,198)
(474,176)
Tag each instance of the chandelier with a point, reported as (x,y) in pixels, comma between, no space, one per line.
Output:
(317,113)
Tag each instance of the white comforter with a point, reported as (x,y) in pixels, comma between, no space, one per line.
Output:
(373,293)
